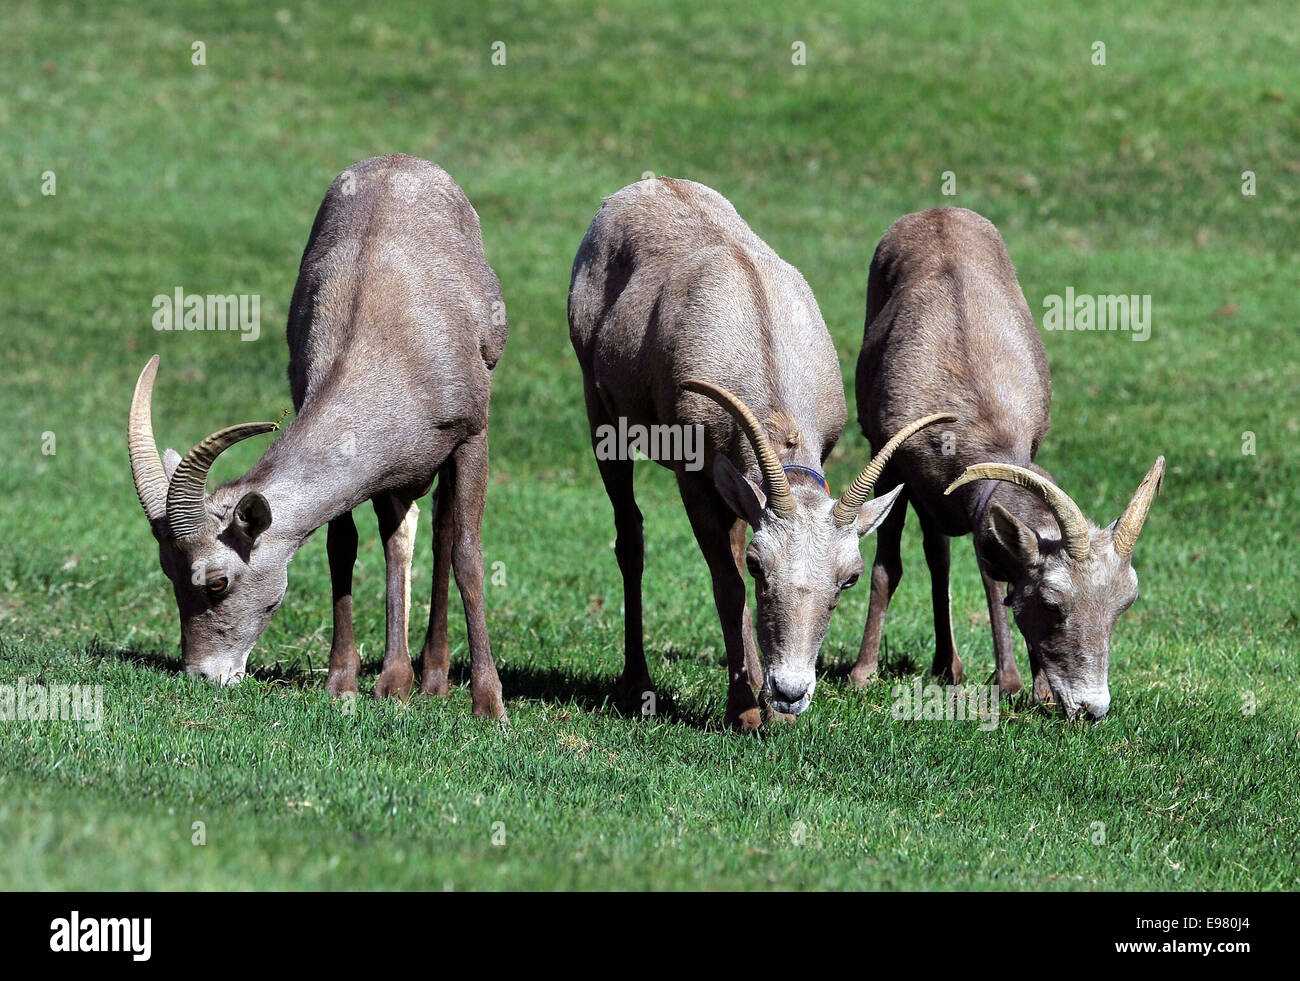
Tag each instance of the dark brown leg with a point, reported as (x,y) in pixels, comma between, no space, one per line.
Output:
(341,544)
(1042,690)
(435,661)
(753,657)
(711,520)
(634,684)
(947,665)
(471,459)
(753,661)
(397,524)
(886,571)
(1004,651)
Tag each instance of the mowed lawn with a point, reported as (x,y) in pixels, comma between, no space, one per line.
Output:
(1118,178)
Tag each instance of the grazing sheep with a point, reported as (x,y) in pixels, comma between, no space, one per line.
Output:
(396,325)
(947,325)
(681,316)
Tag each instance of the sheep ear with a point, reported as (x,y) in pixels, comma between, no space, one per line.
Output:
(171,460)
(741,494)
(252,517)
(876,510)
(1013,539)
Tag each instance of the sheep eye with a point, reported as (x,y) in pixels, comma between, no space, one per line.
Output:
(850,582)
(755,569)
(217,586)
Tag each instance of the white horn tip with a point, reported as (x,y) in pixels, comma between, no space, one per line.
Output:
(960,481)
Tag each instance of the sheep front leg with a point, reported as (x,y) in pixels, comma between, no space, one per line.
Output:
(886,572)
(341,544)
(947,665)
(1004,651)
(712,520)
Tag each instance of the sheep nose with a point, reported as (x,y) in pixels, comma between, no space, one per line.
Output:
(789,696)
(1097,706)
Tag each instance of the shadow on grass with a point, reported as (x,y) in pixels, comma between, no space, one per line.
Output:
(893,664)
(589,692)
(154,660)
(583,690)
(902,666)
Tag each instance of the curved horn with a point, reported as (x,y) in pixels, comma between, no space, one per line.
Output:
(186,511)
(146,466)
(846,508)
(779,498)
(1074,526)
(1129,525)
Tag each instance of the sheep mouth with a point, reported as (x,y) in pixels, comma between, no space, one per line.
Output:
(786,707)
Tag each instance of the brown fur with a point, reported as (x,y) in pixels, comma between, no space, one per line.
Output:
(948,329)
(671,284)
(396,324)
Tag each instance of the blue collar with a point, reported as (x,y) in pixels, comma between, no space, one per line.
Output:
(811,473)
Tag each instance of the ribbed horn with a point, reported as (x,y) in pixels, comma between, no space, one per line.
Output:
(779,499)
(1074,526)
(1130,523)
(146,466)
(186,511)
(846,508)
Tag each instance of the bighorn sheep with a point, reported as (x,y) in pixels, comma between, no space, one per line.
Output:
(680,315)
(948,324)
(395,326)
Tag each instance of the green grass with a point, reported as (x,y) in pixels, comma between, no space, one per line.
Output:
(1123,178)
